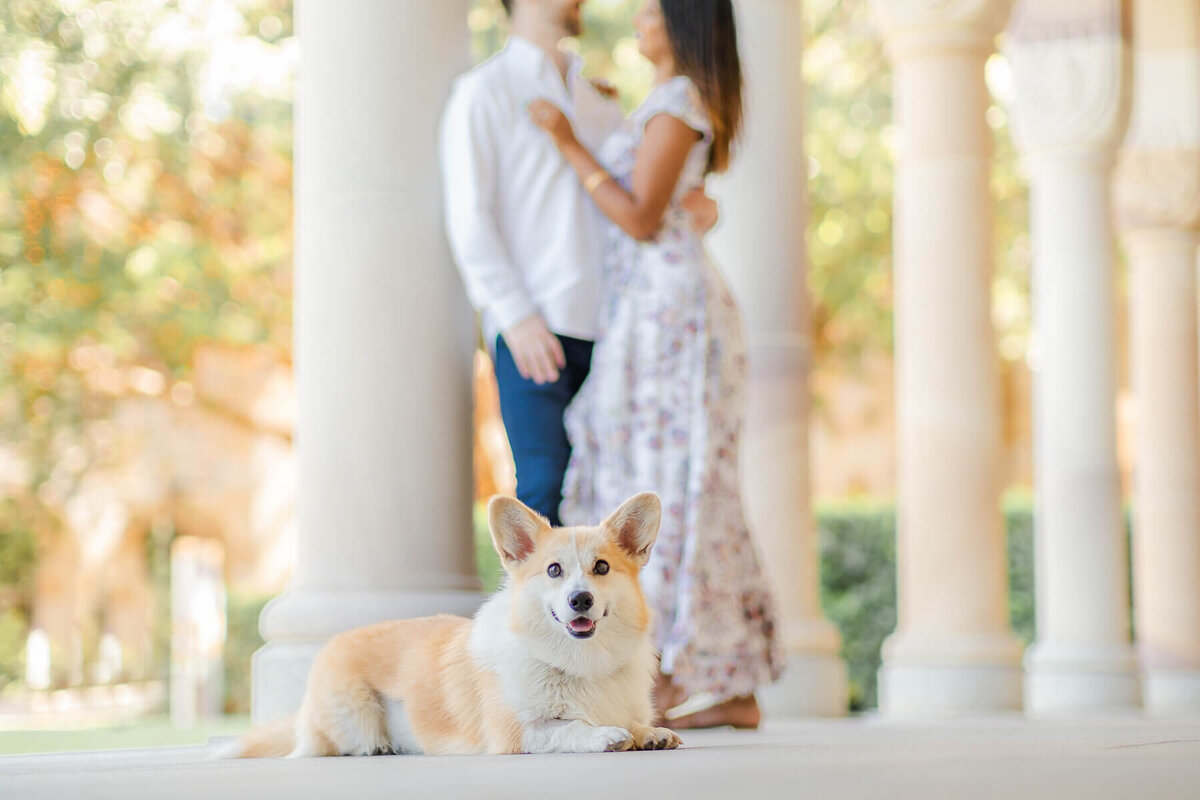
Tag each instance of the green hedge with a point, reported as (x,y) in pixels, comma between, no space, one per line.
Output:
(241,640)
(858,583)
(18,559)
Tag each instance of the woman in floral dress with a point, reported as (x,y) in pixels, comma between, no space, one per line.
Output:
(662,407)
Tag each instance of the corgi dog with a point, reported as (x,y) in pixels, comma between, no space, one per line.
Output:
(558,661)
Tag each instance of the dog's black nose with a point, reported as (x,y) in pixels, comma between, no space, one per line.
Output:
(581,602)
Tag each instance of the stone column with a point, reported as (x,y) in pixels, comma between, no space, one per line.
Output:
(760,247)
(1158,209)
(953,650)
(384,338)
(1069,61)
(198,630)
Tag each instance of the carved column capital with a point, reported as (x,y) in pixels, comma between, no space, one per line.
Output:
(1071,72)
(914,26)
(1158,169)
(1158,189)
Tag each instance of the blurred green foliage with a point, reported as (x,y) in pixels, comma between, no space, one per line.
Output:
(145,209)
(14,628)
(487,561)
(18,558)
(849,140)
(18,549)
(858,587)
(858,582)
(145,205)
(241,640)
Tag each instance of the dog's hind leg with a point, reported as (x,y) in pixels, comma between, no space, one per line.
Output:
(361,722)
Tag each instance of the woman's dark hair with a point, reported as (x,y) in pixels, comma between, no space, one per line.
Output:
(703,38)
(507,6)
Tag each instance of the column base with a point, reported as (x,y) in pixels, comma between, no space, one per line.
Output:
(278,674)
(923,690)
(298,622)
(814,685)
(924,677)
(1172,692)
(1081,680)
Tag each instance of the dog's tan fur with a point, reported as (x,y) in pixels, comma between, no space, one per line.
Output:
(513,679)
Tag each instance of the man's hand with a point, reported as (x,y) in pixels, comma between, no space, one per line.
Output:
(604,88)
(536,351)
(702,209)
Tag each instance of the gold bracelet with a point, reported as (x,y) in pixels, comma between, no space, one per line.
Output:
(594,180)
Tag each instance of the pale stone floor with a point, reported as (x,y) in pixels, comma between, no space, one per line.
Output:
(844,759)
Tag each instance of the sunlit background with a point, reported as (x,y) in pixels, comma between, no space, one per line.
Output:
(146,408)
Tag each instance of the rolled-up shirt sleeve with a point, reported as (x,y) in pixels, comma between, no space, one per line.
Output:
(470,167)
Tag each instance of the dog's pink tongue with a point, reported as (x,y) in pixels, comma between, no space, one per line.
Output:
(581,624)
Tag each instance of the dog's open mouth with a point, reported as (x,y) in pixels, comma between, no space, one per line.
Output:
(579,627)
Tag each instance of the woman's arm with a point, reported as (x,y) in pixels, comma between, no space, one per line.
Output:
(660,160)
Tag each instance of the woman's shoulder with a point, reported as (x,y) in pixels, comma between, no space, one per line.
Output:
(680,98)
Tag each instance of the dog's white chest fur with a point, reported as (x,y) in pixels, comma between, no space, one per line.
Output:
(591,689)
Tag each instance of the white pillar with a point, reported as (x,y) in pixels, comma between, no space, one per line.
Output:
(197,691)
(384,338)
(953,650)
(760,247)
(1069,61)
(1158,206)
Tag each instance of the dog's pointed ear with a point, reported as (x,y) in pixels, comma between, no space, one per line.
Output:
(515,529)
(634,525)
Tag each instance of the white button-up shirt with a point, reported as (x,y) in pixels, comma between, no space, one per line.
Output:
(525,234)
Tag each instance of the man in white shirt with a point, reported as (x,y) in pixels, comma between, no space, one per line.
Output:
(525,234)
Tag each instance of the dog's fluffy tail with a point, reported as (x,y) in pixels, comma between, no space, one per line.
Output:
(273,740)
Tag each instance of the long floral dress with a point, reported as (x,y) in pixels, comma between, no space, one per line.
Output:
(661,410)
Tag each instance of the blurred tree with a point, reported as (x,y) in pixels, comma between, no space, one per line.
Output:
(145,208)
(145,202)
(849,139)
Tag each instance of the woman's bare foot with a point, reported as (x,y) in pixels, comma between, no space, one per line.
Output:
(740,712)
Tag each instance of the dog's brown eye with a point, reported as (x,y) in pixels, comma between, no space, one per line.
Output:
(601,567)
(554,571)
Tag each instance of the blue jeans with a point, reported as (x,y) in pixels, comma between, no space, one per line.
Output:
(533,418)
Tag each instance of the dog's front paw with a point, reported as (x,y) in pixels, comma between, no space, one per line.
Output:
(608,739)
(657,739)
